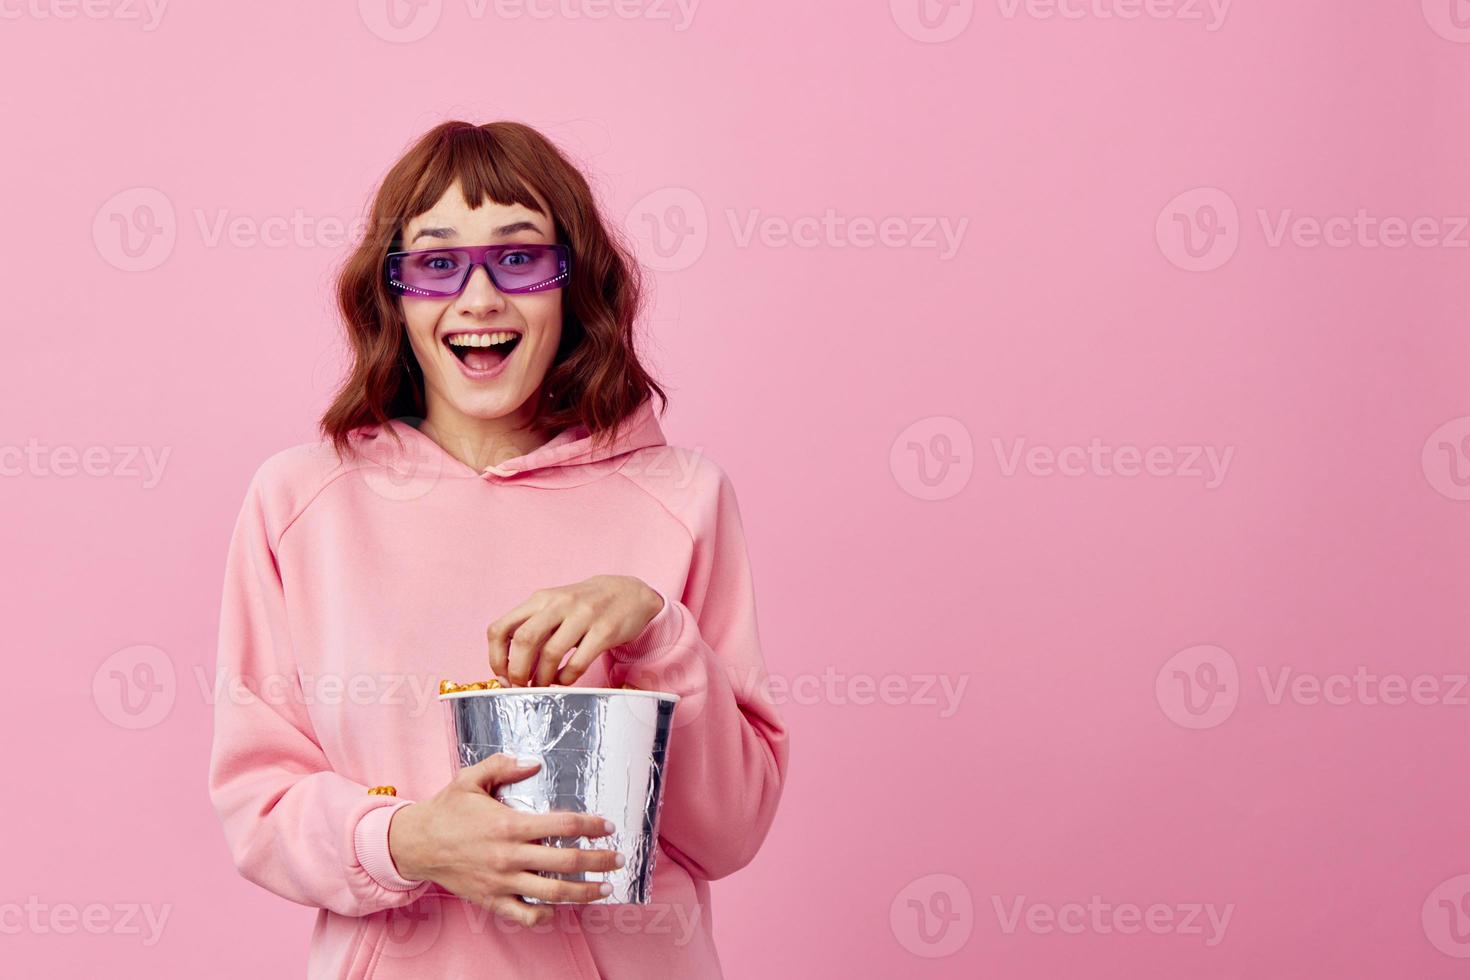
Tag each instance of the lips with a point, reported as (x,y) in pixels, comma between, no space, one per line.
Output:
(482,351)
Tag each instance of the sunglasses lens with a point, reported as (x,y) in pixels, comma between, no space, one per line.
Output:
(439,272)
(524,269)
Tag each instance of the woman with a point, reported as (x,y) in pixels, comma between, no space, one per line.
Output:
(493,468)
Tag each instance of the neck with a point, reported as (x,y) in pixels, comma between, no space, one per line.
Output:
(478,442)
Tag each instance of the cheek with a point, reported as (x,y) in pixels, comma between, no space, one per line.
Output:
(421,317)
(548,321)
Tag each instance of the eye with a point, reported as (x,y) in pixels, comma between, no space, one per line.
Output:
(516,258)
(434,265)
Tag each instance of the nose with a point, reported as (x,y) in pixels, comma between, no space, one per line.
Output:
(480,297)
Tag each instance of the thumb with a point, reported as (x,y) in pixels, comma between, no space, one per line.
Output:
(498,769)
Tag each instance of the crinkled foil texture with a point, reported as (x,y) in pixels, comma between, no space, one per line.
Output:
(601,753)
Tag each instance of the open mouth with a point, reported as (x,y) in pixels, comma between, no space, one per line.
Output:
(483,351)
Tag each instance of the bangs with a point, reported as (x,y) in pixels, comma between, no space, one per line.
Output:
(485,171)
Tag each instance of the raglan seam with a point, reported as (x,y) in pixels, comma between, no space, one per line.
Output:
(331,478)
(689,531)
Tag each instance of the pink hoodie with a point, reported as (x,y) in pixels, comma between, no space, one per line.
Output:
(352,588)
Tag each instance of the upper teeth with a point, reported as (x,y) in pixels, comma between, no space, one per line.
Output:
(481,339)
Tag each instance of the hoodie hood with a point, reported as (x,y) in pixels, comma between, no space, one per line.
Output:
(568,459)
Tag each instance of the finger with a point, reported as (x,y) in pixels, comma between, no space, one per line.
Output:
(555,890)
(593,645)
(567,637)
(497,769)
(558,823)
(564,860)
(515,908)
(499,633)
(526,645)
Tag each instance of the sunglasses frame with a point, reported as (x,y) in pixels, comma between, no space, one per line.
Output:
(481,255)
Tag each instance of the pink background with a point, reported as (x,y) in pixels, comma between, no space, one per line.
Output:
(1115,736)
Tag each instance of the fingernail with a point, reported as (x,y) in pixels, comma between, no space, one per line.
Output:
(605,888)
(608,826)
(527,760)
(620,860)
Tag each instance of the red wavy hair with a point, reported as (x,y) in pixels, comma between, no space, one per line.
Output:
(595,378)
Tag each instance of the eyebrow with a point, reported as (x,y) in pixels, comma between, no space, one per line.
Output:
(501,232)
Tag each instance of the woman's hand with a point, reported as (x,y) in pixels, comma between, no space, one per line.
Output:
(480,849)
(528,643)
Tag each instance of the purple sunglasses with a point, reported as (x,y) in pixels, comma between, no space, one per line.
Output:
(512,268)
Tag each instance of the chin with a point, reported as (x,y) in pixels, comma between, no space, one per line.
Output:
(486,408)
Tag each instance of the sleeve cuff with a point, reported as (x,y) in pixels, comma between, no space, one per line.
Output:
(662,630)
(370,841)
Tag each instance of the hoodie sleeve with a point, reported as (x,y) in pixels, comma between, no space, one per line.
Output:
(293,825)
(727,753)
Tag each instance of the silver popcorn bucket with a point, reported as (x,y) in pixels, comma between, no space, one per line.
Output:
(602,751)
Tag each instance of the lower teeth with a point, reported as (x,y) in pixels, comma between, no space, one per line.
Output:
(483,358)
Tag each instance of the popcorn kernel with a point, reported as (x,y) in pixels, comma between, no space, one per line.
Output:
(449,687)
